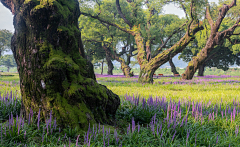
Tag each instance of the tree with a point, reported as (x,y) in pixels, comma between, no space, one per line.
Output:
(8,60)
(54,74)
(221,57)
(5,41)
(145,25)
(217,37)
(108,37)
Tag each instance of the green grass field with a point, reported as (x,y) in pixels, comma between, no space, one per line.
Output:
(200,112)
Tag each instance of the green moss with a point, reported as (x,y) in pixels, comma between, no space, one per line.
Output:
(42,3)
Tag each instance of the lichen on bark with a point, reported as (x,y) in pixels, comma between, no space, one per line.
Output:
(54,74)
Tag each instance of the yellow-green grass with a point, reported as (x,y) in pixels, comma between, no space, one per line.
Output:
(197,92)
(10,83)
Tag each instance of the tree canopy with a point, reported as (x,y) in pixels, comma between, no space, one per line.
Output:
(5,41)
(8,61)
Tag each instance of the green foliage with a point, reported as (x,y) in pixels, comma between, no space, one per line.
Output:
(5,41)
(8,60)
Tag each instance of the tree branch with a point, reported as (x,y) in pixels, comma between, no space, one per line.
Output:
(208,16)
(169,37)
(109,23)
(121,14)
(222,13)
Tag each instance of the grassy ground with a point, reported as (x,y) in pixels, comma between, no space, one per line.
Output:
(167,71)
(200,112)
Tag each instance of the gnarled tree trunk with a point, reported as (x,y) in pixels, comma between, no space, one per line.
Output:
(214,39)
(148,68)
(110,64)
(54,75)
(173,68)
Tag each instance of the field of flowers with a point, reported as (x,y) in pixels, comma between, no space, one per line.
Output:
(171,112)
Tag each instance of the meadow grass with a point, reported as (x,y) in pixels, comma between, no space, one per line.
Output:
(170,112)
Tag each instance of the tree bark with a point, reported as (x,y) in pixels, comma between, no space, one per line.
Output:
(110,64)
(54,74)
(102,67)
(8,69)
(201,70)
(215,38)
(173,68)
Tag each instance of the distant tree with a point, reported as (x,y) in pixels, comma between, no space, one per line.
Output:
(8,60)
(5,41)
(222,30)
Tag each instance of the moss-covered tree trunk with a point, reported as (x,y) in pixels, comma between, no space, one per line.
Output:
(201,70)
(54,75)
(110,64)
(173,68)
(148,67)
(215,38)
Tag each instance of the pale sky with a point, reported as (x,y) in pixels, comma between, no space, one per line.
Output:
(6,17)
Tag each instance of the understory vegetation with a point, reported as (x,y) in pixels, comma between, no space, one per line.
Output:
(171,112)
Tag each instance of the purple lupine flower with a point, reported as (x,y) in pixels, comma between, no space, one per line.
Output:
(226,112)
(222,113)
(115,134)
(234,113)
(217,139)
(133,125)
(187,135)
(229,110)
(174,135)
(231,117)
(236,131)
(225,133)
(47,126)
(50,120)
(138,127)
(103,142)
(103,130)
(186,120)
(38,118)
(182,121)
(128,129)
